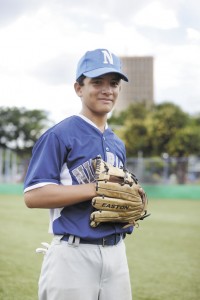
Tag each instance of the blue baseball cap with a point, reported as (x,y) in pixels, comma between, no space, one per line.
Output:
(99,62)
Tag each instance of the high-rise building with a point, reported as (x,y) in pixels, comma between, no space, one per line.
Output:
(140,87)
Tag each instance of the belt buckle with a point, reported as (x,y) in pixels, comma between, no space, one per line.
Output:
(114,241)
(103,242)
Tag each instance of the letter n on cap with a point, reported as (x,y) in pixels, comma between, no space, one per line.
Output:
(108,59)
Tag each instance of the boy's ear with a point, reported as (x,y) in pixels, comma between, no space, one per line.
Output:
(78,89)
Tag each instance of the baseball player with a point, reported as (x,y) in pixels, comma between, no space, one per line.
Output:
(82,262)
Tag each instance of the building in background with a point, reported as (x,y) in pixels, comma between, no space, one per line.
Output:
(140,87)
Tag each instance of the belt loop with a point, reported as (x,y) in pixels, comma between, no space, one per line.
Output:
(71,240)
(76,241)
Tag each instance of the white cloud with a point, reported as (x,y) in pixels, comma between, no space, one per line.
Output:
(177,70)
(41,46)
(157,16)
(128,42)
(193,34)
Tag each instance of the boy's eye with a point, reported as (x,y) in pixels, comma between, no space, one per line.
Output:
(99,81)
(115,83)
(96,81)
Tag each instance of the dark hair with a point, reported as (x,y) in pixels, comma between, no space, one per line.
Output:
(81,79)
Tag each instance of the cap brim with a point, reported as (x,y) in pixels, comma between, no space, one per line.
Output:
(102,71)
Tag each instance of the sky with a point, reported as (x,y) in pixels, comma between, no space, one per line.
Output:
(41,42)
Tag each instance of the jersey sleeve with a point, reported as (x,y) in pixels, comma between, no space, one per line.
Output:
(49,154)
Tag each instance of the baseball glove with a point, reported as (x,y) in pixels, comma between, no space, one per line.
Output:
(119,196)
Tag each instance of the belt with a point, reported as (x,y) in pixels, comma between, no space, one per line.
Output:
(110,240)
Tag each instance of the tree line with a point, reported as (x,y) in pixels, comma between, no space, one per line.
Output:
(20,128)
(161,128)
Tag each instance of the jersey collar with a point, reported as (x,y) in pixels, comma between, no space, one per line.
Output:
(90,122)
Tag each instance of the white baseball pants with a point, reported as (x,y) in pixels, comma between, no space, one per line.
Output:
(84,272)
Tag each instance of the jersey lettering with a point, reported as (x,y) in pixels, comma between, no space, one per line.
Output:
(80,175)
(85,172)
(110,158)
(87,167)
(113,160)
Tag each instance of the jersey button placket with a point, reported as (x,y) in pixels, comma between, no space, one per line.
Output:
(106,149)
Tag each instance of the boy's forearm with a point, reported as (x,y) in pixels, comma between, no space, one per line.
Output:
(54,196)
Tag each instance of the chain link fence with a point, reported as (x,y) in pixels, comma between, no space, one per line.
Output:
(152,170)
(12,166)
(166,169)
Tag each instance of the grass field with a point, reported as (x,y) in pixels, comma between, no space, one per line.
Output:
(163,253)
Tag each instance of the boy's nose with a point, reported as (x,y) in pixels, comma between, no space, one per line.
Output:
(106,89)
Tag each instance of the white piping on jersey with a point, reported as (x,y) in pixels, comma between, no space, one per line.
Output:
(90,122)
(38,185)
(65,179)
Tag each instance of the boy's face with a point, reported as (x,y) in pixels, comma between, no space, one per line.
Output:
(99,94)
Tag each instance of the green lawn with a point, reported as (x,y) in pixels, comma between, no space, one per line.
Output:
(163,253)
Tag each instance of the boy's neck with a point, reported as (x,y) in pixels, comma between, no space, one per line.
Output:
(100,121)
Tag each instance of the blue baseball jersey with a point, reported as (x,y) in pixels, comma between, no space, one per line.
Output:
(63,156)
